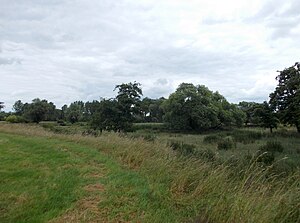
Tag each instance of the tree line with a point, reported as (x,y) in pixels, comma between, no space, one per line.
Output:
(191,107)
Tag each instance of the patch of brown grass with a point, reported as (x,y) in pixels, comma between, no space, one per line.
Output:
(94,188)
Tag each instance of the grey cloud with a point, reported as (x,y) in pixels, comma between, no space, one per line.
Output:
(279,16)
(9,61)
(79,50)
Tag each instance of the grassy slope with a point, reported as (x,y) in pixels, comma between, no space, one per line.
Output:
(43,177)
(73,178)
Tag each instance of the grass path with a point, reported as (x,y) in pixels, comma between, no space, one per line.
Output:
(54,180)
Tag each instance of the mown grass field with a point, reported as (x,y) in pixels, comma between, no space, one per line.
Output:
(48,177)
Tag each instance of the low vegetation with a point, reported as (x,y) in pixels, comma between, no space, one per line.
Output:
(116,177)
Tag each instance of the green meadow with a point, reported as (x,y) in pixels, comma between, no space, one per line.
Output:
(64,174)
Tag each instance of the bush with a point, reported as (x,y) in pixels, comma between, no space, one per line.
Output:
(14,119)
(226,144)
(272,146)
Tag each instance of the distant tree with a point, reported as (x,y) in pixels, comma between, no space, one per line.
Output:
(90,109)
(128,99)
(75,112)
(117,114)
(1,105)
(197,108)
(286,97)
(52,114)
(268,118)
(36,111)
(64,110)
(18,107)
(249,109)
(2,114)
(107,116)
(151,110)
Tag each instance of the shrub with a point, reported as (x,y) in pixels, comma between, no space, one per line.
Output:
(14,119)
(226,144)
(272,146)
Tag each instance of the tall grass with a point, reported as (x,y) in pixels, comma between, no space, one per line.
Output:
(193,188)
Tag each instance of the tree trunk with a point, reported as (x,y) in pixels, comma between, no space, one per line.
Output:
(271,130)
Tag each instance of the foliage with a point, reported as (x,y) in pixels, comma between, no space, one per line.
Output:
(1,105)
(268,118)
(118,114)
(151,110)
(197,108)
(37,110)
(14,119)
(129,99)
(74,113)
(107,116)
(249,108)
(18,107)
(3,115)
(286,97)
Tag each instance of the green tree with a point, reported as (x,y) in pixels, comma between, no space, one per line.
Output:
(197,108)
(1,105)
(151,110)
(268,118)
(106,116)
(128,99)
(64,110)
(75,112)
(117,114)
(286,97)
(36,111)
(18,107)
(90,109)
(249,109)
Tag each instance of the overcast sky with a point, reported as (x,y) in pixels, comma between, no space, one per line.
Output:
(67,50)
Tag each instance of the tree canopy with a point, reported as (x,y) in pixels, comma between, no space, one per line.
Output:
(286,97)
(118,114)
(197,108)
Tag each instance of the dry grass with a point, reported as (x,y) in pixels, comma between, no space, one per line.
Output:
(195,188)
